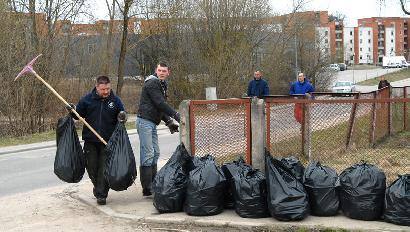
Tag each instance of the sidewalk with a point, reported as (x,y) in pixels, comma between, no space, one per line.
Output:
(132,206)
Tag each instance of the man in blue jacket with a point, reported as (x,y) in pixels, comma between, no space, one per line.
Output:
(101,109)
(301,86)
(258,87)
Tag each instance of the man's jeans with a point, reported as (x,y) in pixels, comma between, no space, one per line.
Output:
(149,149)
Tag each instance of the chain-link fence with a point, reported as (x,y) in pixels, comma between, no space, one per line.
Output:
(221,128)
(342,130)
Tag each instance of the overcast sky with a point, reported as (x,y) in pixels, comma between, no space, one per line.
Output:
(353,9)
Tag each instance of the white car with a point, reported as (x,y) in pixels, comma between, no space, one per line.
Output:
(343,87)
(334,67)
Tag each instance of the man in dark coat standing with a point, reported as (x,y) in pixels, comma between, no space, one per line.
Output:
(258,87)
(152,109)
(383,83)
(101,108)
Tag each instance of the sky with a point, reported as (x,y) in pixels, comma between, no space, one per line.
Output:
(353,9)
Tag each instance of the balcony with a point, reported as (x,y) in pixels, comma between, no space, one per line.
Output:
(381,38)
(338,31)
(380,48)
(339,39)
(381,32)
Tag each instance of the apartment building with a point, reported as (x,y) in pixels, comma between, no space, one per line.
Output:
(376,37)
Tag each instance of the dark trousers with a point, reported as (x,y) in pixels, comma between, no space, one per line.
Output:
(96,156)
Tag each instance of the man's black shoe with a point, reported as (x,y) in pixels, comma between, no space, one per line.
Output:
(101,201)
(146,192)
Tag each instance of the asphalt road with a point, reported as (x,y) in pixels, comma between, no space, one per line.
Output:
(30,170)
(362,75)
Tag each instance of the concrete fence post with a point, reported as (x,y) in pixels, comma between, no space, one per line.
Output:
(184,127)
(258,132)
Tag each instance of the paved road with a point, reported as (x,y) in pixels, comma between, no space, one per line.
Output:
(29,170)
(362,75)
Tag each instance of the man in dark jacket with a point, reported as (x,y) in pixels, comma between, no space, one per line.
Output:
(258,87)
(101,109)
(383,83)
(152,109)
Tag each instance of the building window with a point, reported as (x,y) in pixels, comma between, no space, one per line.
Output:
(351,49)
(351,41)
(392,33)
(361,41)
(360,49)
(326,32)
(351,32)
(368,32)
(369,40)
(361,57)
(360,33)
(326,41)
(391,40)
(369,49)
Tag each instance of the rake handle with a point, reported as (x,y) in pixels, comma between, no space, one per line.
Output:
(67,104)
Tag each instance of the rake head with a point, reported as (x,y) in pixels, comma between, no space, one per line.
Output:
(27,68)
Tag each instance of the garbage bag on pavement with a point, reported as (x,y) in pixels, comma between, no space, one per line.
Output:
(397,201)
(205,191)
(69,162)
(120,169)
(362,189)
(230,170)
(294,166)
(250,193)
(321,183)
(170,183)
(287,198)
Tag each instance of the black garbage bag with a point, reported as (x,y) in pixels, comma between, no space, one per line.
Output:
(250,193)
(294,166)
(321,183)
(120,169)
(170,183)
(362,189)
(230,170)
(205,191)
(69,162)
(397,201)
(287,198)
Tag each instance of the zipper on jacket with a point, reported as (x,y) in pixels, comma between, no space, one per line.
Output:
(99,123)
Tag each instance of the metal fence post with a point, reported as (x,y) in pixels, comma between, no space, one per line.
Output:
(306,132)
(258,133)
(405,110)
(372,136)
(184,134)
(352,121)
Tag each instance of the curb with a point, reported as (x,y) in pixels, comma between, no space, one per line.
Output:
(209,222)
(44,146)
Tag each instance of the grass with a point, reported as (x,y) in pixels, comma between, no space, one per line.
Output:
(41,137)
(396,76)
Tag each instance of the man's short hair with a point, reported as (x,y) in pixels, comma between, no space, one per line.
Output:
(103,80)
(163,64)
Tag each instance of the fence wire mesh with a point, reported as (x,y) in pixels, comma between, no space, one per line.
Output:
(221,128)
(342,133)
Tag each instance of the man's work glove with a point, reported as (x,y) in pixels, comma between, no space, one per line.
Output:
(177,117)
(122,117)
(70,107)
(172,126)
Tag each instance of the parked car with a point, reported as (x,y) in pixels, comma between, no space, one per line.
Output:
(342,66)
(343,87)
(334,67)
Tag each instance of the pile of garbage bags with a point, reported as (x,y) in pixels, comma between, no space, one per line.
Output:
(286,191)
